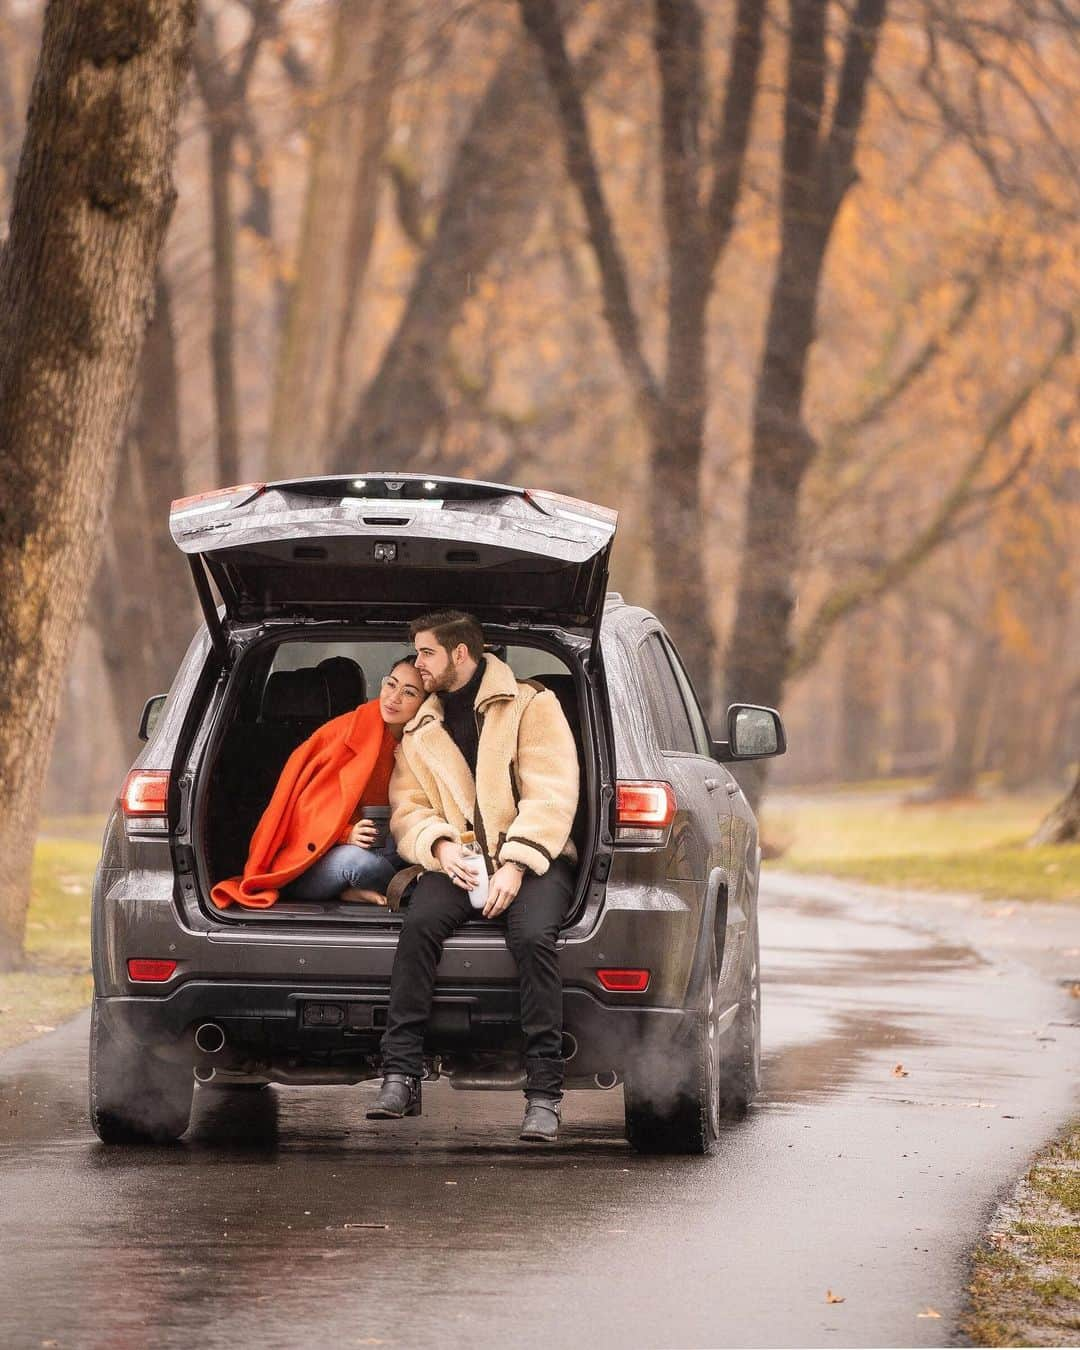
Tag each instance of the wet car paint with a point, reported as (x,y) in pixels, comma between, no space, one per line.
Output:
(285,1218)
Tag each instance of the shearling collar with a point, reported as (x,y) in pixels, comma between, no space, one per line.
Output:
(498,682)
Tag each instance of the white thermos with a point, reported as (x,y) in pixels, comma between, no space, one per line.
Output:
(479,894)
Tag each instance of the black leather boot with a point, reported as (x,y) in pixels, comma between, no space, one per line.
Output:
(541,1123)
(399,1096)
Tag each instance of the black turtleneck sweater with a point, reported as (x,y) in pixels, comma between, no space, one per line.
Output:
(459,717)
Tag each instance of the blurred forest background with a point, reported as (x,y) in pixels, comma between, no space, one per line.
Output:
(808,324)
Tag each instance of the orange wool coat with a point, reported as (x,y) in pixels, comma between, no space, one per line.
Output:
(343,763)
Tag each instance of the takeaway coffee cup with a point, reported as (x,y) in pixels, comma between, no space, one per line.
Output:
(380,816)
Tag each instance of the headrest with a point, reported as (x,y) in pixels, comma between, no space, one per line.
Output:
(295,694)
(345,682)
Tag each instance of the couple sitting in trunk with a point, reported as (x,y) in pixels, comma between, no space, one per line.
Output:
(482,753)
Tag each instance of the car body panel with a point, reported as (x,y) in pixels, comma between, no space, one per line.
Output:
(326,547)
(654,906)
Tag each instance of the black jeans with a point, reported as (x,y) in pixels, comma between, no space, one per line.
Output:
(437,909)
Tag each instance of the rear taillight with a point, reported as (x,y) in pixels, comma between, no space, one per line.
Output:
(623,981)
(146,971)
(144,799)
(643,812)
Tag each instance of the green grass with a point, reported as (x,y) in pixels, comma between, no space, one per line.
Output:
(1025,1288)
(874,835)
(55,981)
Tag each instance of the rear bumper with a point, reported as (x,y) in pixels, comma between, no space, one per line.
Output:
(332,1026)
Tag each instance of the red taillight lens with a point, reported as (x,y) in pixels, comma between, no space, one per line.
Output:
(649,804)
(624,981)
(149,972)
(145,793)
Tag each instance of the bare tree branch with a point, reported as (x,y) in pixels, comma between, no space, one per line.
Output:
(942,527)
(729,149)
(542,21)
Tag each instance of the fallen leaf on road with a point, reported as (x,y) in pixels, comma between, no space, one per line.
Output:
(899,1071)
(929,1312)
(1074,990)
(830,1297)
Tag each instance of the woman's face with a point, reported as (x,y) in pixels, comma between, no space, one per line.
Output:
(401,695)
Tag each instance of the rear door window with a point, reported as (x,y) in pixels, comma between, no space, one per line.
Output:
(698,727)
(670,718)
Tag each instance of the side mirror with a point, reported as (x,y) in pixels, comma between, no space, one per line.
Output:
(151,715)
(753,733)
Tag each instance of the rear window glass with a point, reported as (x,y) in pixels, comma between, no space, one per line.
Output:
(376,658)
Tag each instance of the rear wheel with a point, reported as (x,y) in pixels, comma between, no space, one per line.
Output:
(134,1097)
(676,1100)
(740,1051)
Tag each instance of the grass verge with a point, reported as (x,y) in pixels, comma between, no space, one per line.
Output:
(55,981)
(879,836)
(1025,1287)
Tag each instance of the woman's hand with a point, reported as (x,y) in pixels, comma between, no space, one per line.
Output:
(364,833)
(461,867)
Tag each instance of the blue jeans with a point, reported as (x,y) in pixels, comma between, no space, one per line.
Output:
(345,865)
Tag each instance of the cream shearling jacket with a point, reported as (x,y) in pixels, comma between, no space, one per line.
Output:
(522,803)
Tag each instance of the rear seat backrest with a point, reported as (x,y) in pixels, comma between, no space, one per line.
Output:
(345,683)
(295,696)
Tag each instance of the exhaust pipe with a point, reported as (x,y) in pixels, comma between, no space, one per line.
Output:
(569,1045)
(203,1074)
(606,1079)
(210,1038)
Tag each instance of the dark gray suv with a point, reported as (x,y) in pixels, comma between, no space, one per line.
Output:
(316,581)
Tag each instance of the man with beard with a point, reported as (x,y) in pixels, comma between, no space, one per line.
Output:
(494,756)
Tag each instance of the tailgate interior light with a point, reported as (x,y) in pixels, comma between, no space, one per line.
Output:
(147,971)
(622,981)
(145,793)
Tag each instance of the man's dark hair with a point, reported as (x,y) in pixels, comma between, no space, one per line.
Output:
(451,627)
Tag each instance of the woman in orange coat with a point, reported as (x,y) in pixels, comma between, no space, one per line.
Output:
(313,842)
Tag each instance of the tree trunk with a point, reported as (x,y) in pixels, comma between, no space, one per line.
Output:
(385,71)
(143,606)
(91,201)
(861,697)
(223,333)
(1062,825)
(502,173)
(816,173)
(302,383)
(958,774)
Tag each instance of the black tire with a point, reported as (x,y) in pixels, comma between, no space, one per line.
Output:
(671,1097)
(135,1098)
(740,1050)
(676,1101)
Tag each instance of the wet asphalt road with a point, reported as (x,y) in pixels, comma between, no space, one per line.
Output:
(286,1219)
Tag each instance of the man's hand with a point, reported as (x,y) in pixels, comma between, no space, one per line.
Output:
(364,833)
(462,868)
(502,890)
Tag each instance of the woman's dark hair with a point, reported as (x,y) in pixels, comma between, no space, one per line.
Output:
(409,659)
